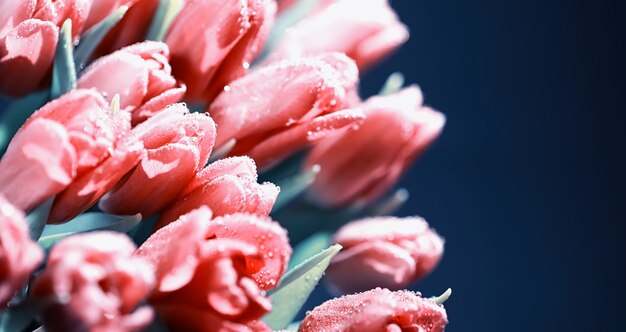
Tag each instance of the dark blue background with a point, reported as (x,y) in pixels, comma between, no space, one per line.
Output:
(527,181)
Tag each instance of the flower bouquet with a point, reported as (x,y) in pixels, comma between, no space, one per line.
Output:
(160,158)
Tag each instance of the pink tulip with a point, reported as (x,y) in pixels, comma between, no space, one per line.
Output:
(29,31)
(100,9)
(285,106)
(226,186)
(375,311)
(131,29)
(178,145)
(214,279)
(361,165)
(213,42)
(140,74)
(96,283)
(19,255)
(74,147)
(385,252)
(366,30)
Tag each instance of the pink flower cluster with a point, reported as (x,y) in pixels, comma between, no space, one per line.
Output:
(124,142)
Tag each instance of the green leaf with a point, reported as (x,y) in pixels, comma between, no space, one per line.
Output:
(16,114)
(63,70)
(163,17)
(37,219)
(309,247)
(441,298)
(296,286)
(92,38)
(390,204)
(88,222)
(294,186)
(394,83)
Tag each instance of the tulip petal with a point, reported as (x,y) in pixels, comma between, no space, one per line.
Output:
(377,264)
(28,51)
(38,164)
(265,234)
(155,182)
(175,268)
(85,191)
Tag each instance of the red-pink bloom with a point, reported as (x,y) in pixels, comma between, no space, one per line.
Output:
(385,252)
(214,279)
(213,42)
(140,74)
(375,311)
(131,29)
(285,5)
(366,30)
(95,283)
(100,9)
(226,186)
(361,165)
(286,105)
(19,255)
(178,145)
(73,147)
(29,32)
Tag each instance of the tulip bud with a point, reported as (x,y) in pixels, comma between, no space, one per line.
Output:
(376,310)
(226,186)
(214,280)
(365,30)
(140,74)
(210,51)
(285,106)
(178,145)
(96,283)
(385,252)
(29,33)
(73,147)
(361,165)
(19,255)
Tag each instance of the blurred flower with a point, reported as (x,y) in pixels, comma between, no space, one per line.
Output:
(385,252)
(284,5)
(361,165)
(73,147)
(376,310)
(282,107)
(226,186)
(213,42)
(19,255)
(214,279)
(140,74)
(366,30)
(29,31)
(178,145)
(97,284)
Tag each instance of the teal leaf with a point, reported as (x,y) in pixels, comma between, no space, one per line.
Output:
(16,114)
(296,286)
(393,84)
(88,222)
(309,247)
(37,219)
(289,18)
(293,326)
(92,38)
(63,70)
(389,205)
(165,14)
(292,187)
